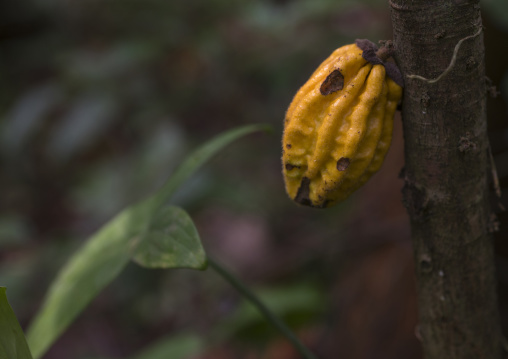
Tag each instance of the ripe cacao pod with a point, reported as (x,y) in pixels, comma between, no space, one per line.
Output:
(338,127)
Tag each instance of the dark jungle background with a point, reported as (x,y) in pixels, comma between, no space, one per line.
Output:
(100,100)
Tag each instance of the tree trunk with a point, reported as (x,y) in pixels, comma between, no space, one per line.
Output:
(446,174)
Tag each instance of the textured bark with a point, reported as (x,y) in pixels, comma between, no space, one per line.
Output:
(447,176)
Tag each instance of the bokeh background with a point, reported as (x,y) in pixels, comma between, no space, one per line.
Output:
(100,100)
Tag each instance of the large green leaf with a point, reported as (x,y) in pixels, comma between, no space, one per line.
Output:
(98,262)
(105,254)
(12,340)
(171,241)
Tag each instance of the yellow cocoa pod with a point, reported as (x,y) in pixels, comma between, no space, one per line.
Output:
(338,127)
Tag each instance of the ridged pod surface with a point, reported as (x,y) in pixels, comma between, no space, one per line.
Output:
(338,128)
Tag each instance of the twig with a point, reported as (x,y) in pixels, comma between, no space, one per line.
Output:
(452,62)
(267,313)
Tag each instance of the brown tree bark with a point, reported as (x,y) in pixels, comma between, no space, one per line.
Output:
(439,49)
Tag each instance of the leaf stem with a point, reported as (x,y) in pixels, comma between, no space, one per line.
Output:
(265,311)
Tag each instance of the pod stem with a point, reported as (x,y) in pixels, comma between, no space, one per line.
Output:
(263,309)
(386,50)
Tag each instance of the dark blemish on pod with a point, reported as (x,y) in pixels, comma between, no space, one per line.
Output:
(288,146)
(289,166)
(302,196)
(343,163)
(334,82)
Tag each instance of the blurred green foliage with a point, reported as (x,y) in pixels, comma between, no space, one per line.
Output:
(149,232)
(100,99)
(179,346)
(498,11)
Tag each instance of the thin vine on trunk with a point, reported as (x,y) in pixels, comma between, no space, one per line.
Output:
(439,49)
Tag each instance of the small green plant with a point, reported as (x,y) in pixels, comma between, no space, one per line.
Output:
(151,233)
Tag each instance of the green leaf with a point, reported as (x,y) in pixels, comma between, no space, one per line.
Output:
(107,252)
(94,266)
(12,340)
(172,241)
